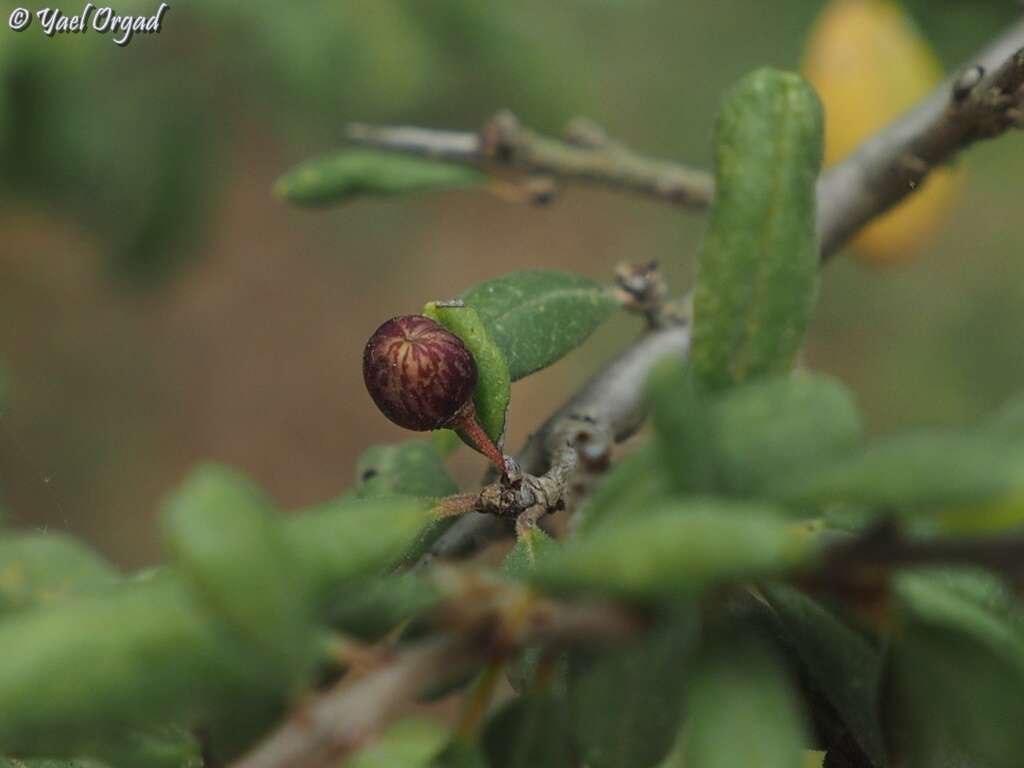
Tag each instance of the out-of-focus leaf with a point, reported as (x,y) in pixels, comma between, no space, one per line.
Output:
(845,666)
(741,709)
(460,754)
(531,731)
(533,547)
(771,428)
(412,743)
(626,703)
(957,675)
(347,174)
(935,472)
(1007,422)
(536,318)
(411,468)
(758,265)
(682,427)
(342,541)
(637,484)
(445,441)
(227,543)
(686,546)
(493,386)
(370,609)
(44,568)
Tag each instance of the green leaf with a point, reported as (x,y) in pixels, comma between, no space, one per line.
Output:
(343,541)
(45,568)
(412,743)
(934,472)
(529,732)
(626,703)
(227,543)
(758,266)
(1007,423)
(411,468)
(74,676)
(369,609)
(637,484)
(845,666)
(445,442)
(536,318)
(957,675)
(341,176)
(775,427)
(533,547)
(742,710)
(682,427)
(460,754)
(493,385)
(684,547)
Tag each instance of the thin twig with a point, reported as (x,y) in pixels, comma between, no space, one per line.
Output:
(581,158)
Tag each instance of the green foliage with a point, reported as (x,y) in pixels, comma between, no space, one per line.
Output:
(639,482)
(531,731)
(493,387)
(536,318)
(680,547)
(626,705)
(409,743)
(759,262)
(348,174)
(45,568)
(742,709)
(411,468)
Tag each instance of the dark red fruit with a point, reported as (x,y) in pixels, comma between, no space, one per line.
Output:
(418,373)
(422,377)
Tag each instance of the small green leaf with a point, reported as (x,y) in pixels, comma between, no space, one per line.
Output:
(347,174)
(227,543)
(957,675)
(533,547)
(915,473)
(44,568)
(493,385)
(682,427)
(369,609)
(411,468)
(742,710)
(460,754)
(774,427)
(529,732)
(445,441)
(636,485)
(413,743)
(626,703)
(845,666)
(758,266)
(343,541)
(684,547)
(536,318)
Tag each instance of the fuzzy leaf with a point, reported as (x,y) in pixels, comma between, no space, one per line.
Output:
(845,666)
(529,732)
(682,427)
(686,546)
(533,547)
(774,427)
(343,541)
(758,266)
(370,609)
(227,543)
(411,468)
(493,385)
(638,484)
(741,709)
(410,743)
(341,176)
(934,473)
(536,318)
(44,568)
(958,675)
(626,703)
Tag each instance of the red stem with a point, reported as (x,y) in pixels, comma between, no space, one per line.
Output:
(466,423)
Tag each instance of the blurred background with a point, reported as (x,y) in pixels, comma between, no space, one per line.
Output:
(159,307)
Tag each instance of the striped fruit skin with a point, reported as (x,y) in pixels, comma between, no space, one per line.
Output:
(419,374)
